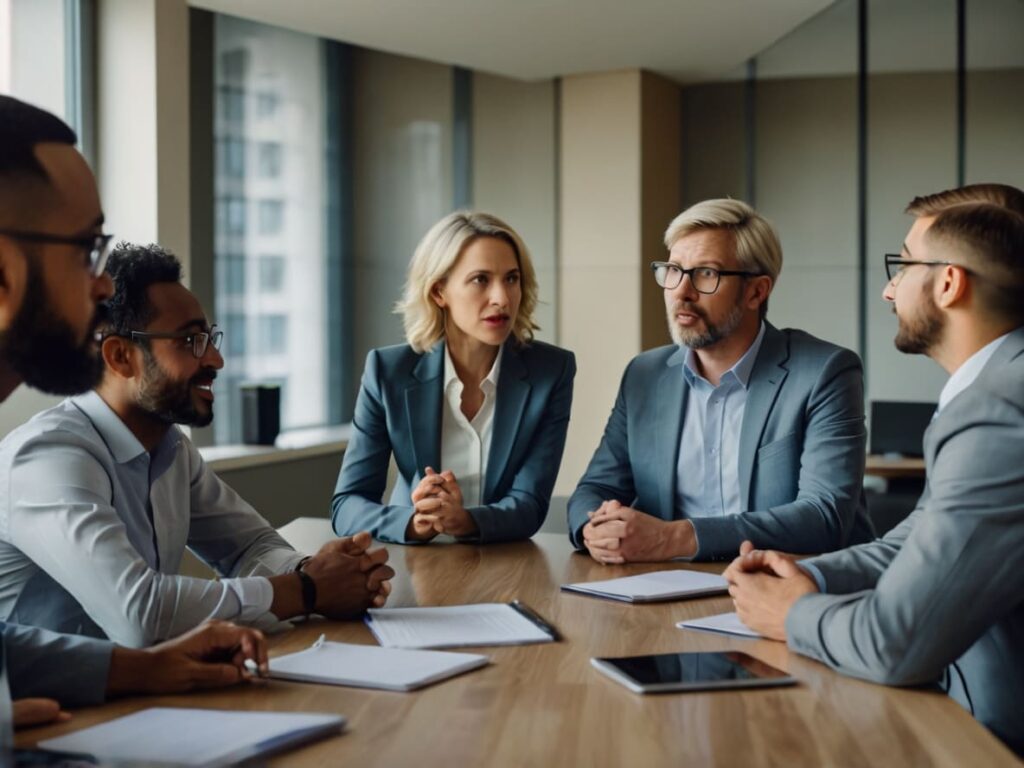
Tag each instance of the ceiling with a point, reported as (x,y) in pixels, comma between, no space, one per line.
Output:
(686,40)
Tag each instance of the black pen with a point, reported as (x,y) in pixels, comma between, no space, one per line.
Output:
(534,619)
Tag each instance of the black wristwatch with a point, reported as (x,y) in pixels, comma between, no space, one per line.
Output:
(308,589)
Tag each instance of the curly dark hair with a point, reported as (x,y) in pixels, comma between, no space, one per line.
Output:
(134,268)
(22,126)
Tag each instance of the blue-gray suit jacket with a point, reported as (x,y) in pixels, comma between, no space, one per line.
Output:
(399,411)
(69,668)
(942,594)
(801,450)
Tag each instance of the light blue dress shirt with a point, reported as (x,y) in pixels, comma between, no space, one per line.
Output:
(93,529)
(707,474)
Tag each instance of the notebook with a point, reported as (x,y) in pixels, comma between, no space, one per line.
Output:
(196,737)
(722,623)
(370,666)
(455,626)
(654,587)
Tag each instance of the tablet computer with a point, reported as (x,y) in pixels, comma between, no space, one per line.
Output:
(691,672)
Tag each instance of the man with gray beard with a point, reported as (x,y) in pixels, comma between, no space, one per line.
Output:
(737,431)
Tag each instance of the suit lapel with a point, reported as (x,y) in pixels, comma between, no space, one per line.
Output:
(765,382)
(512,395)
(670,409)
(423,409)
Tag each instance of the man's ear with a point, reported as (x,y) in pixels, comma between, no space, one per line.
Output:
(119,357)
(13,280)
(952,286)
(759,290)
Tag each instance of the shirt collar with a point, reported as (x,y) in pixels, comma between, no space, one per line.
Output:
(965,375)
(740,370)
(490,382)
(124,446)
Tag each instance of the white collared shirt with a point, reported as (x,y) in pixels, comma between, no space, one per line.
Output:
(968,371)
(465,445)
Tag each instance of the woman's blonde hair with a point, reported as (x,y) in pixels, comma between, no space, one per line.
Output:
(433,260)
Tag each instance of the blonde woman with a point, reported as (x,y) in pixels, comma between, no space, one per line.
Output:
(474,411)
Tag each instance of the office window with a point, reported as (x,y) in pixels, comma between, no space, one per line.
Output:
(271,274)
(44,52)
(271,217)
(269,157)
(271,334)
(232,154)
(266,104)
(271,87)
(234,335)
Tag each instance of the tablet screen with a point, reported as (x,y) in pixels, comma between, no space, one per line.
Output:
(684,670)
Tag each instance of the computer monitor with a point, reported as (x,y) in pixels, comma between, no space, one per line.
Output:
(898,427)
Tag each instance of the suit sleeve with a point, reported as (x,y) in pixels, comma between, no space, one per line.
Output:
(957,572)
(356,505)
(71,669)
(609,474)
(521,512)
(830,483)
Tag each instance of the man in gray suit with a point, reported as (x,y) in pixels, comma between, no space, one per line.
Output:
(939,598)
(52,255)
(738,430)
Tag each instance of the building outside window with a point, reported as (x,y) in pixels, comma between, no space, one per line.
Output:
(270,246)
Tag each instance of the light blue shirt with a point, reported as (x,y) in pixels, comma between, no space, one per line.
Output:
(93,529)
(961,379)
(707,473)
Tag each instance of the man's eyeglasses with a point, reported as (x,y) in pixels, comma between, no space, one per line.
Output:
(895,264)
(198,340)
(98,246)
(704,279)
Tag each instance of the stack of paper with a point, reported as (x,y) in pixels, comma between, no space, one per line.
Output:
(455,626)
(654,587)
(196,737)
(368,666)
(723,623)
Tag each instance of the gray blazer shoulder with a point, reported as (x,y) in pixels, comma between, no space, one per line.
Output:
(945,586)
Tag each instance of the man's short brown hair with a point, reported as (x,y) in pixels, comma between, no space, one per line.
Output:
(988,240)
(1002,195)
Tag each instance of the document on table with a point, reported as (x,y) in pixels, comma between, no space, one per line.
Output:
(196,737)
(654,587)
(370,666)
(722,623)
(455,626)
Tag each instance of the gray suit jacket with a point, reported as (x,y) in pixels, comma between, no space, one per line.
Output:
(68,668)
(801,459)
(945,587)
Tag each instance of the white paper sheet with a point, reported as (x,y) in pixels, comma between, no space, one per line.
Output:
(723,623)
(195,737)
(654,587)
(370,666)
(454,626)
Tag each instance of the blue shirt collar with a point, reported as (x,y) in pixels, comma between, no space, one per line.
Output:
(740,370)
(124,446)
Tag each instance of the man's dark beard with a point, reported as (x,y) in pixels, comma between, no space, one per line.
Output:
(170,400)
(919,335)
(42,349)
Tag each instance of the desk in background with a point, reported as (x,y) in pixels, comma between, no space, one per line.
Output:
(902,468)
(545,705)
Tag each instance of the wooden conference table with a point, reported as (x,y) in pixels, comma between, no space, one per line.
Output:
(545,705)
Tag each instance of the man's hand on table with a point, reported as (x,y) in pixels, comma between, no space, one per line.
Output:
(764,585)
(619,534)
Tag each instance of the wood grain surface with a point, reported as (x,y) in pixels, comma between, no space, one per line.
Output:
(545,705)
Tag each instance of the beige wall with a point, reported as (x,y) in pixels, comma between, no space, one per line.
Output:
(619,150)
